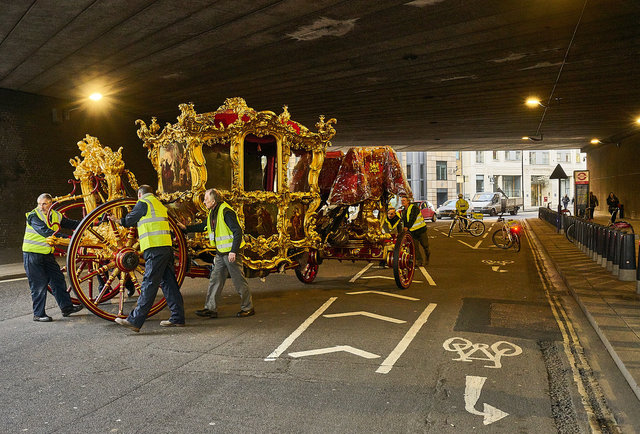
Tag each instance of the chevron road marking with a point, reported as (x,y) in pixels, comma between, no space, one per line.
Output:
(388,278)
(345,348)
(383,293)
(361,272)
(297,332)
(363,313)
(427,276)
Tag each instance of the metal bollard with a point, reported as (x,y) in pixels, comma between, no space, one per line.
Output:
(638,276)
(599,243)
(605,247)
(616,254)
(627,258)
(612,249)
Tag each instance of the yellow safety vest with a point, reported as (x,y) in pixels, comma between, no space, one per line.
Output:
(462,206)
(419,223)
(222,237)
(153,227)
(34,242)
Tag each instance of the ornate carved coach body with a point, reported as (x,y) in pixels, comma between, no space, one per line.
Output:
(297,203)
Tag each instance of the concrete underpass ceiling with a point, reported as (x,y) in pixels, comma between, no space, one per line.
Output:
(417,75)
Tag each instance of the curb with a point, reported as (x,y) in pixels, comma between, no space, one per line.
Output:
(623,369)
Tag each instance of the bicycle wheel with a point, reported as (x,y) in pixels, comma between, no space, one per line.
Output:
(570,232)
(476,228)
(501,239)
(622,226)
(453,223)
(516,242)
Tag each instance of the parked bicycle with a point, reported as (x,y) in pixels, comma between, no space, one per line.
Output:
(620,225)
(508,235)
(474,225)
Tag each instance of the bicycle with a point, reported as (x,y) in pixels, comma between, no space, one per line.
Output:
(508,235)
(473,225)
(621,225)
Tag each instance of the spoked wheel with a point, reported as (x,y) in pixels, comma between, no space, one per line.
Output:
(73,211)
(453,223)
(501,239)
(516,242)
(307,271)
(104,261)
(571,232)
(476,228)
(404,254)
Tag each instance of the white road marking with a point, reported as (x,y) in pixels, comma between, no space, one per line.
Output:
(363,313)
(338,348)
(13,280)
(383,293)
(366,267)
(293,336)
(497,269)
(472,391)
(469,245)
(393,357)
(427,276)
(388,278)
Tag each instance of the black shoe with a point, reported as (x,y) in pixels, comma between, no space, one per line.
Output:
(244,313)
(206,313)
(73,309)
(45,318)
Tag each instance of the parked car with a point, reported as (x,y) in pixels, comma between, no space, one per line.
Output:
(447,209)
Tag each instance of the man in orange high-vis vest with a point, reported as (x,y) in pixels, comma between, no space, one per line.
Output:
(154,233)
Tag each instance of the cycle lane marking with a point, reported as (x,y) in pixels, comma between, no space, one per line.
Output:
(406,297)
(367,314)
(361,272)
(427,276)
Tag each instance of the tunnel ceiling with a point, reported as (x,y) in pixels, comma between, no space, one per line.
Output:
(417,75)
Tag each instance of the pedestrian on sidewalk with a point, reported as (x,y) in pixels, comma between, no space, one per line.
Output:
(39,262)
(154,233)
(565,201)
(592,203)
(225,234)
(613,203)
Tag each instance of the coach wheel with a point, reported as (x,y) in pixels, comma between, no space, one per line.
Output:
(307,271)
(104,261)
(404,260)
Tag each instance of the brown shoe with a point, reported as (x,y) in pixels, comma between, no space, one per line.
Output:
(168,323)
(127,324)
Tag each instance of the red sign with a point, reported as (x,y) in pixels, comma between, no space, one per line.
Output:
(581,176)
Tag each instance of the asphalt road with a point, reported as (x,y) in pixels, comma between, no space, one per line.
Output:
(477,344)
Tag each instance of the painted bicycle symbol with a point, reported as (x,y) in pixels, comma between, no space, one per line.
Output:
(468,351)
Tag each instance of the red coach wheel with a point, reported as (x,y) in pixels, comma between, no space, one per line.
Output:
(104,259)
(404,260)
(307,271)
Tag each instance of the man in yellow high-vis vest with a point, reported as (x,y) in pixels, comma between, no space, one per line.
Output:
(225,234)
(154,233)
(413,222)
(40,263)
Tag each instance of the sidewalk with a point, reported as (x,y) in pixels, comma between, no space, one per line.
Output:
(612,306)
(11,264)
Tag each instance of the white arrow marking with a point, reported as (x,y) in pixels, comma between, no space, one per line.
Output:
(338,348)
(383,293)
(427,276)
(472,392)
(297,332)
(393,357)
(387,277)
(363,313)
(497,269)
(354,278)
(469,245)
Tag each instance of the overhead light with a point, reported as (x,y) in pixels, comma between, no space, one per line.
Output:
(95,96)
(533,139)
(595,141)
(638,121)
(534,102)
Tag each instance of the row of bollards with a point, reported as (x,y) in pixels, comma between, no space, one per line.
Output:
(609,247)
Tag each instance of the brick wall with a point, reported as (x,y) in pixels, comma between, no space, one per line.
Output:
(36,146)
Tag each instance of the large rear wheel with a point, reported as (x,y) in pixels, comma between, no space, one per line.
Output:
(404,254)
(516,242)
(104,261)
(570,232)
(501,238)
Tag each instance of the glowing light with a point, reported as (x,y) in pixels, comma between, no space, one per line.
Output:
(95,96)
(533,102)
(595,141)
(525,138)
(638,121)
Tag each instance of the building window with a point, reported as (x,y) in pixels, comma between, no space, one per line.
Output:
(539,157)
(513,155)
(421,180)
(479,183)
(479,156)
(564,156)
(496,157)
(511,185)
(408,171)
(441,170)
